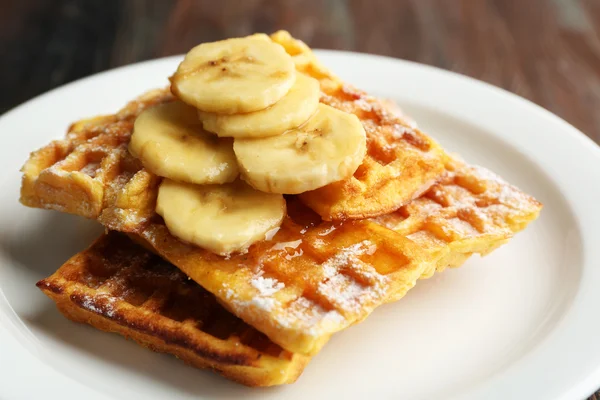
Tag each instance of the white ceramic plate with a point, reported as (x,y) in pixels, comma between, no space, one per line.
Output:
(520,323)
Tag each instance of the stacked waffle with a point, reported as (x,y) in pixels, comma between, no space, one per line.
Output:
(339,251)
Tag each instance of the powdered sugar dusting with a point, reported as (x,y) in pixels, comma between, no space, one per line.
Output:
(290,310)
(300,314)
(363,104)
(130,217)
(312,317)
(229,294)
(90,305)
(264,303)
(91,169)
(101,304)
(505,193)
(57,170)
(318,243)
(343,290)
(266,286)
(263,299)
(399,131)
(461,227)
(347,255)
(303,314)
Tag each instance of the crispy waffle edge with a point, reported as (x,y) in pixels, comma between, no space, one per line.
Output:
(236,361)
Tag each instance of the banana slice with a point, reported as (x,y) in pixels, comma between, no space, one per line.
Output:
(234,76)
(170,142)
(329,147)
(220,218)
(291,111)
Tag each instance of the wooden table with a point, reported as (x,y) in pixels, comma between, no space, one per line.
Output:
(545,50)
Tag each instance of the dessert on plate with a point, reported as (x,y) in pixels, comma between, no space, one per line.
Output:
(295,204)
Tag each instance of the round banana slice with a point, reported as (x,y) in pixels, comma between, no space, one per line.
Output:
(170,142)
(234,76)
(220,218)
(329,147)
(291,111)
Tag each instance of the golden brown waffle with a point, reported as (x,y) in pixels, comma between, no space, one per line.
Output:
(117,286)
(85,171)
(401,162)
(313,278)
(471,210)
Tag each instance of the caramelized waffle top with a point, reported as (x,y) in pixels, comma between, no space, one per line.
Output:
(117,286)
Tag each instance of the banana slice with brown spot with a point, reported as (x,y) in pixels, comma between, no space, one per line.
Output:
(231,76)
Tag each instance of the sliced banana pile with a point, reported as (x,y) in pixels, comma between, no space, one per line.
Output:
(242,110)
(201,199)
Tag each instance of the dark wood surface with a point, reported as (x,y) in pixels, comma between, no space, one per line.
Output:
(545,50)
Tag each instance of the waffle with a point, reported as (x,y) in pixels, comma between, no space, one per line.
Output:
(84,171)
(117,286)
(401,161)
(471,210)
